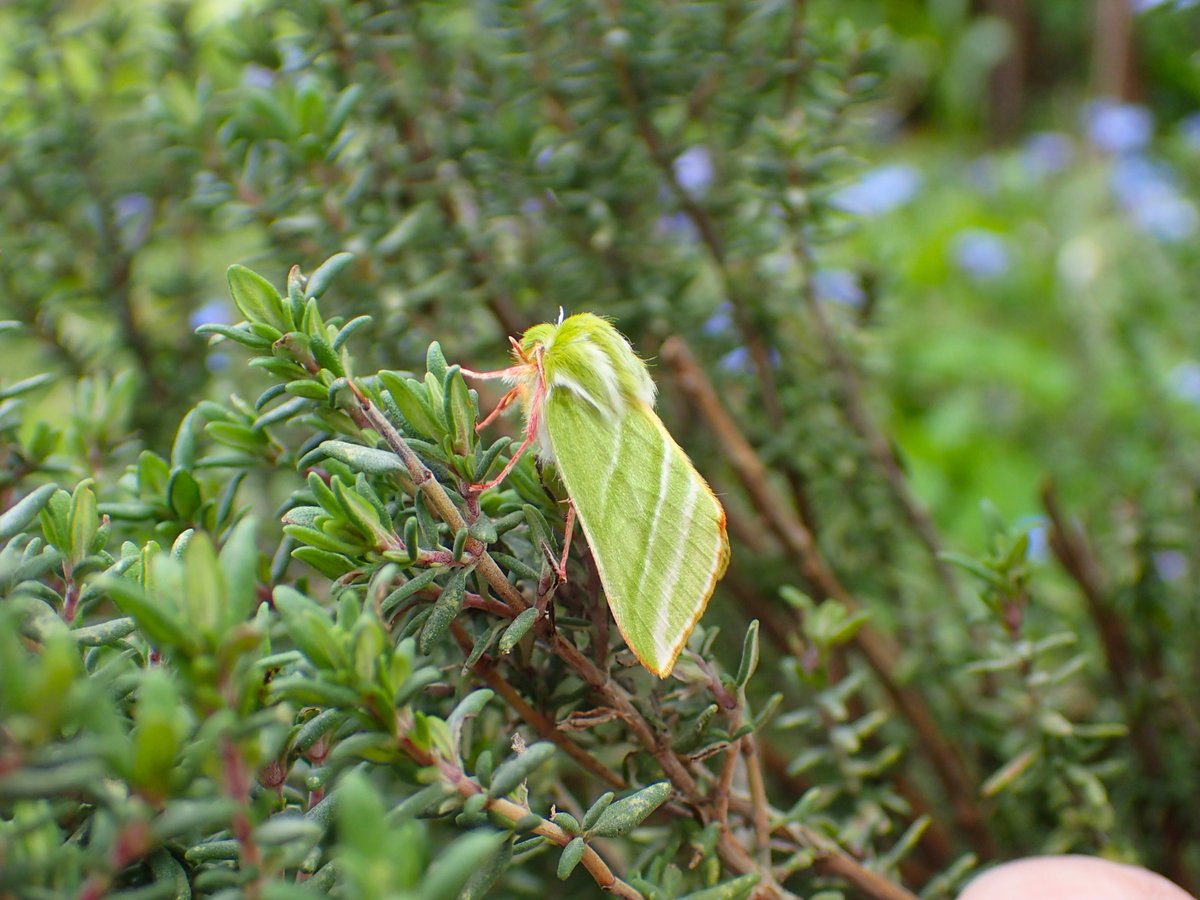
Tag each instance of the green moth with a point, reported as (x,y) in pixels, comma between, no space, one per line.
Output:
(655,528)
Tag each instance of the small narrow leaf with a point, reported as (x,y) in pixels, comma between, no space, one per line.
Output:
(571,855)
(435,361)
(323,277)
(567,822)
(518,629)
(515,770)
(749,660)
(597,809)
(24,511)
(1009,772)
(256,299)
(447,607)
(733,889)
(629,812)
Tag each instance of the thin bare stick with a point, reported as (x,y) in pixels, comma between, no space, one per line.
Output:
(758,796)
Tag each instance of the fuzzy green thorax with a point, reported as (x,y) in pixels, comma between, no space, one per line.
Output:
(587,356)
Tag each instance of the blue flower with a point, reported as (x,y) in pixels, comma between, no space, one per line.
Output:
(1171,565)
(677,225)
(739,360)
(1184,382)
(694,170)
(1038,550)
(1046,152)
(1119,128)
(214,312)
(1142,6)
(1189,127)
(131,213)
(720,322)
(256,76)
(1146,190)
(878,191)
(838,286)
(736,360)
(982,255)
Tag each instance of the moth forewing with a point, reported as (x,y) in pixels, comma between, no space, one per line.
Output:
(655,528)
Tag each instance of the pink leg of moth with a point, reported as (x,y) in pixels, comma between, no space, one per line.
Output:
(568,533)
(531,430)
(505,403)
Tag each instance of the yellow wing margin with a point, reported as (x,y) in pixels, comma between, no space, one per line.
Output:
(656,530)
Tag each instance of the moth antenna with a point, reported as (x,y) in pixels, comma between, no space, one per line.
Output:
(561,314)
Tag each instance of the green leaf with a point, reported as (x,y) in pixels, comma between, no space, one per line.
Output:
(157,733)
(56,520)
(183,452)
(629,812)
(239,437)
(364,459)
(362,514)
(408,589)
(444,611)
(597,809)
(435,361)
(482,879)
(468,708)
(25,385)
(323,277)
(412,401)
(518,629)
(456,864)
(204,586)
(161,625)
(256,298)
(571,855)
(308,390)
(238,333)
(1009,772)
(459,411)
(21,514)
(567,822)
(734,889)
(183,495)
(516,769)
(310,628)
(325,356)
(749,661)
(331,565)
(104,633)
(347,330)
(239,564)
(287,828)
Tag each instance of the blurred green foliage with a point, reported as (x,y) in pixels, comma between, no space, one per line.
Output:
(260,636)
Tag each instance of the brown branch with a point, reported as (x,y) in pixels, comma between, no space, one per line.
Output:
(1070,546)
(880,652)
(545,728)
(758,797)
(756,344)
(854,407)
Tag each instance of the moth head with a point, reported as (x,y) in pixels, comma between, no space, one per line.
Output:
(585,354)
